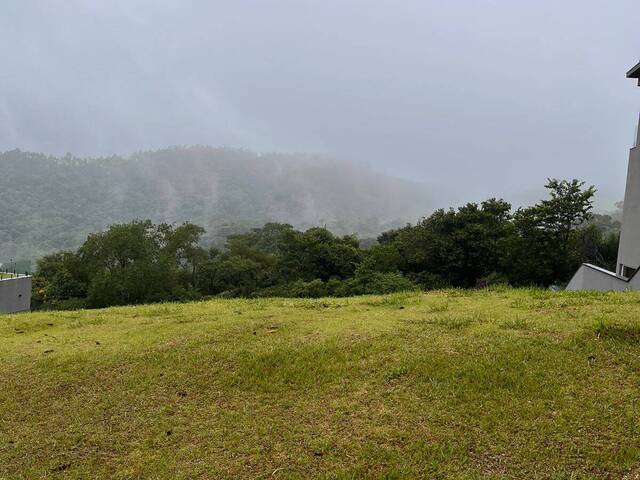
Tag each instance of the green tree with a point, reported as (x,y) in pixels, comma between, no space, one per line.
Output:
(543,249)
(569,206)
(128,263)
(452,247)
(231,275)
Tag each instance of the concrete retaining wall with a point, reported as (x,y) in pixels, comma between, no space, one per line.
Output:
(590,277)
(15,295)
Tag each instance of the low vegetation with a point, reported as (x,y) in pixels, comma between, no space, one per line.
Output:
(491,384)
(473,246)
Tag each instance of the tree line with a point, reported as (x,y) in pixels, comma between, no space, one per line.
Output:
(475,245)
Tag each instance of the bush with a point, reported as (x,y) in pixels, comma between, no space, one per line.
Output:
(68,304)
(367,282)
(429,281)
(363,283)
(492,280)
(298,289)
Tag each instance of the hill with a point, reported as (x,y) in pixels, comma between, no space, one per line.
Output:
(453,384)
(52,203)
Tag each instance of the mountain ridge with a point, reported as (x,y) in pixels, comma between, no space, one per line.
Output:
(52,203)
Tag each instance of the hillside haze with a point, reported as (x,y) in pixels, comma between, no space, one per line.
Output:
(51,203)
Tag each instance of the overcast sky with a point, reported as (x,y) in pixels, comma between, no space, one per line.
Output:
(474,97)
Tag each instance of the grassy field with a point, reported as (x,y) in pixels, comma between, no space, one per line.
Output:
(4,275)
(456,384)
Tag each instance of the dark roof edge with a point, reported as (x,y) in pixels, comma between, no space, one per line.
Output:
(634,72)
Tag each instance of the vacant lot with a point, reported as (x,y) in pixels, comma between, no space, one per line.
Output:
(455,384)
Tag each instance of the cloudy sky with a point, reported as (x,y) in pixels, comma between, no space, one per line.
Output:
(473,97)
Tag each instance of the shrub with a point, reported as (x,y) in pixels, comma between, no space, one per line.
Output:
(367,282)
(492,280)
(298,289)
(429,281)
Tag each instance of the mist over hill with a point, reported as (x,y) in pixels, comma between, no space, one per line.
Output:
(51,203)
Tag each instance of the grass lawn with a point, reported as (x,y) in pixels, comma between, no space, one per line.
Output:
(4,275)
(457,384)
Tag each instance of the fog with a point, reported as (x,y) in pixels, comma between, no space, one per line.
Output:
(475,98)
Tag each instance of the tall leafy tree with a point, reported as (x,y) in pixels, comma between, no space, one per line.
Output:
(542,251)
(128,263)
(456,247)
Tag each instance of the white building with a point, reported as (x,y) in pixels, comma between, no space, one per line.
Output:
(15,294)
(590,277)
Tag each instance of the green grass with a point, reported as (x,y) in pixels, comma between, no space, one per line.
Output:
(457,384)
(4,275)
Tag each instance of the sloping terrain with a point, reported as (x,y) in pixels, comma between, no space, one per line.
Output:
(454,384)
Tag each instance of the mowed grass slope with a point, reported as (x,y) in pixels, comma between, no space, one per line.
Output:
(454,384)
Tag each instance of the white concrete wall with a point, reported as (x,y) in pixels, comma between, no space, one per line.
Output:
(589,277)
(629,248)
(15,295)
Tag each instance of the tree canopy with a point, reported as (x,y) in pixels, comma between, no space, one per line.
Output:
(475,245)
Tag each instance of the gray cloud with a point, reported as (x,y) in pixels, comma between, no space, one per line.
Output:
(473,97)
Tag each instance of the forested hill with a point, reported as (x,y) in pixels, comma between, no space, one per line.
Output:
(52,203)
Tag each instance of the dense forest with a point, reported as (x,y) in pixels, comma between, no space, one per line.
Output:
(476,245)
(50,203)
